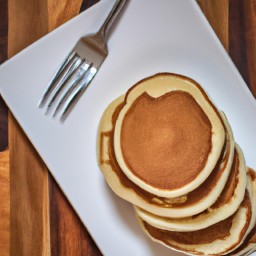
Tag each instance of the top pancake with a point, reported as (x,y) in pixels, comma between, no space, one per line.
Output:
(168,136)
(192,203)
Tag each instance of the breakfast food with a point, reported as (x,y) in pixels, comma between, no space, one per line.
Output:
(218,239)
(249,244)
(167,149)
(185,142)
(225,206)
(192,203)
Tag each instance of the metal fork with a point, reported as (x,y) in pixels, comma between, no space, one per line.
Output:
(79,68)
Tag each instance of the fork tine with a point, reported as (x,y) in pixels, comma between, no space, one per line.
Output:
(62,78)
(74,84)
(70,58)
(67,79)
(77,91)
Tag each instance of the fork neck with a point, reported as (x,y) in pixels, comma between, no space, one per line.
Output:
(116,9)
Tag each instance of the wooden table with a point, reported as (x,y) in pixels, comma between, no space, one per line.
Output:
(35,217)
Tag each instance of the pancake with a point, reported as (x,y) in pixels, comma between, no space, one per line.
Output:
(219,239)
(192,203)
(249,244)
(226,205)
(165,148)
(168,127)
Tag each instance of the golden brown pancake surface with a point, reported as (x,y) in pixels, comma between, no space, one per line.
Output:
(166,141)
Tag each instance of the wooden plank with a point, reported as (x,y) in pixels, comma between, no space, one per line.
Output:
(27,23)
(4,155)
(29,196)
(3,57)
(5,204)
(29,178)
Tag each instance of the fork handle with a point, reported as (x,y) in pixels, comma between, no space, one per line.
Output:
(116,9)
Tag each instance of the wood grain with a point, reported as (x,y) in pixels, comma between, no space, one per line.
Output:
(29,197)
(5,204)
(242,34)
(4,155)
(60,11)
(29,178)
(27,23)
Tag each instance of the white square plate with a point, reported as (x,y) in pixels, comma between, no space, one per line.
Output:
(151,36)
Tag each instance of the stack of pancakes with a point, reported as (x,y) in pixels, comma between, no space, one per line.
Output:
(167,149)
